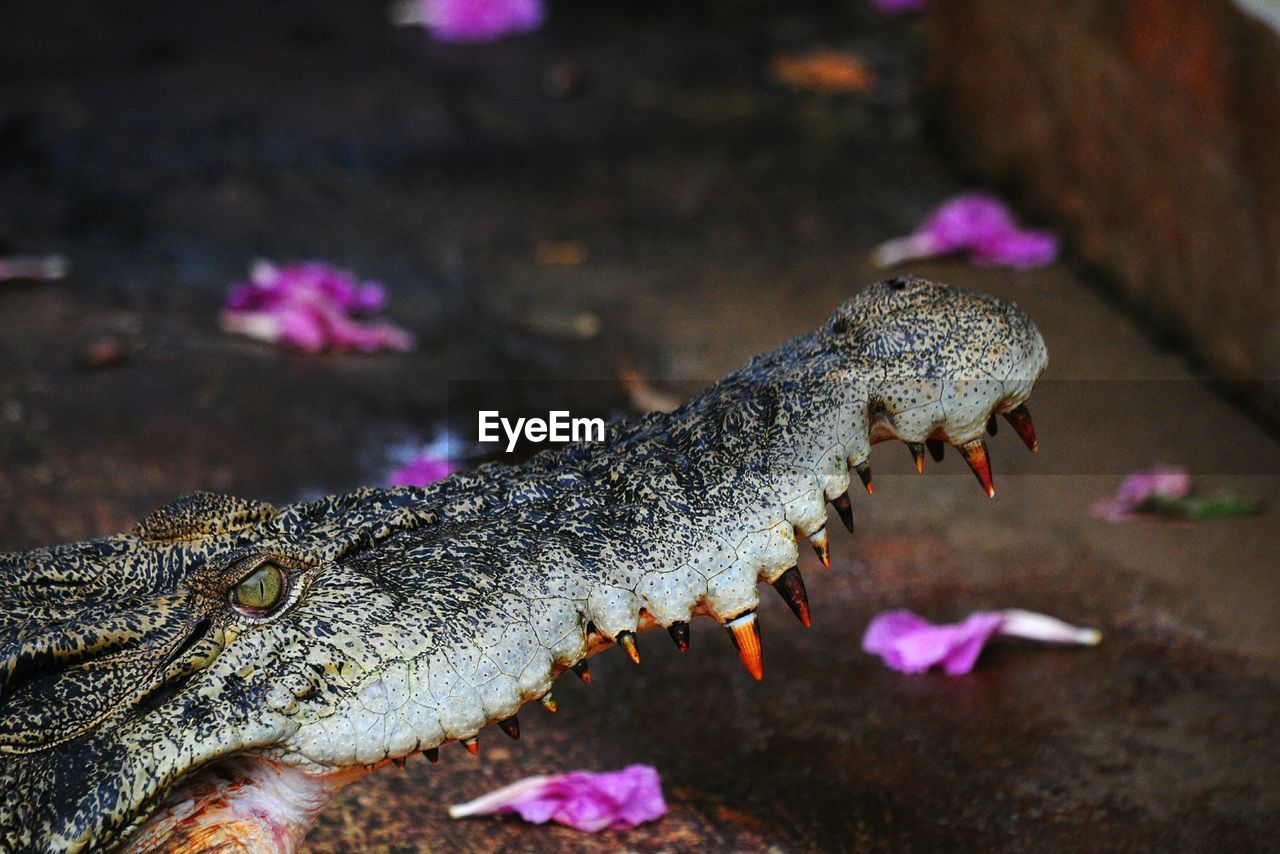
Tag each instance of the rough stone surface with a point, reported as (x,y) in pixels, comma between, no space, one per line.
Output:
(1149,129)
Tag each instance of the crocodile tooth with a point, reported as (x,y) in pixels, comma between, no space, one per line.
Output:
(1019,419)
(548,702)
(790,586)
(583,673)
(917,454)
(844,509)
(937,449)
(975,454)
(472,745)
(680,634)
(818,539)
(432,754)
(745,633)
(511,726)
(864,474)
(627,640)
(993,426)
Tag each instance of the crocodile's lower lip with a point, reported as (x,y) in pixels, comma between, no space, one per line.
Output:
(246,803)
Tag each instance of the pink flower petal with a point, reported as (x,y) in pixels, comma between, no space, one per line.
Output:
(421,471)
(1018,249)
(899,7)
(584,800)
(1138,488)
(911,644)
(311,306)
(301,328)
(979,224)
(471,20)
(367,336)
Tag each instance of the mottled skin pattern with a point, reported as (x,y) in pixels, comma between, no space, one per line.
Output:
(411,617)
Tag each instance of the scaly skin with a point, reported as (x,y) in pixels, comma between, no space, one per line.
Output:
(137,692)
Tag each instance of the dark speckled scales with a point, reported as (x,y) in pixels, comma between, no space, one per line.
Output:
(417,616)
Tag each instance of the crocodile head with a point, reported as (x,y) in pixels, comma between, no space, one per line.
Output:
(214,675)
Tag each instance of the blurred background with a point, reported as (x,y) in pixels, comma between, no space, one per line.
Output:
(607,206)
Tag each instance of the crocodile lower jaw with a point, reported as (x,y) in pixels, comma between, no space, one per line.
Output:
(246,803)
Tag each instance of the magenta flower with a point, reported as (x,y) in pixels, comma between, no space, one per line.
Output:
(899,7)
(423,465)
(978,224)
(1166,493)
(584,800)
(311,306)
(47,268)
(470,20)
(1135,495)
(911,644)
(421,471)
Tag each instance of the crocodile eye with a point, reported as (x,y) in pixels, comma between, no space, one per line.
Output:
(262,590)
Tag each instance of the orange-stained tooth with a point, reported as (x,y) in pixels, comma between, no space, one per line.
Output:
(864,475)
(472,745)
(818,539)
(627,640)
(548,702)
(917,454)
(1019,419)
(844,509)
(745,633)
(791,587)
(680,634)
(583,673)
(511,726)
(432,754)
(975,454)
(937,449)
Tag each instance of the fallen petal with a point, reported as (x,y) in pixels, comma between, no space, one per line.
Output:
(1137,491)
(899,7)
(907,248)
(1019,249)
(1017,623)
(311,307)
(910,644)
(584,800)
(422,470)
(978,224)
(420,465)
(470,20)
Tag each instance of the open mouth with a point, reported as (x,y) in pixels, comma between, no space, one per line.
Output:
(243,803)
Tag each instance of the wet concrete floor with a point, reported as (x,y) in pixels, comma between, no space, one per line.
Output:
(162,150)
